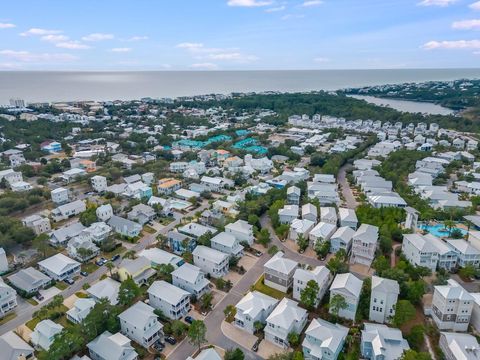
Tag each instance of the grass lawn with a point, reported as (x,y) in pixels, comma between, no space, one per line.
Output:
(81,295)
(32,323)
(61,285)
(267,290)
(118,251)
(7,318)
(32,301)
(149,229)
(165,220)
(89,267)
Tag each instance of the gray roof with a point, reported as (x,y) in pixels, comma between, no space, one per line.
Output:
(213,255)
(113,347)
(67,232)
(281,264)
(286,312)
(167,292)
(347,282)
(385,285)
(118,222)
(329,336)
(139,314)
(27,279)
(187,272)
(367,233)
(134,265)
(106,288)
(254,303)
(158,256)
(58,263)
(12,346)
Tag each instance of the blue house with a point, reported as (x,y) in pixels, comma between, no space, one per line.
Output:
(179,243)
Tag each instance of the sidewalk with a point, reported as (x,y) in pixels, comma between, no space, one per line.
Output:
(239,336)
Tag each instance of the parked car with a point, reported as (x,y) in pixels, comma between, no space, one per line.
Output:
(99,262)
(84,273)
(255,346)
(189,319)
(171,340)
(39,297)
(69,281)
(258,253)
(158,346)
(115,257)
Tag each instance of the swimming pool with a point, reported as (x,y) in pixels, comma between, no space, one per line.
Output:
(439,230)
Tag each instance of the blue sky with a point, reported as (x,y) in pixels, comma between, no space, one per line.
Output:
(238,34)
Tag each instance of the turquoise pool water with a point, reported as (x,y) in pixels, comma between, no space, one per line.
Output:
(439,230)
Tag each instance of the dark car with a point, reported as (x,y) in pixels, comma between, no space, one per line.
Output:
(115,257)
(69,281)
(255,346)
(171,340)
(189,319)
(99,262)
(39,297)
(84,273)
(158,346)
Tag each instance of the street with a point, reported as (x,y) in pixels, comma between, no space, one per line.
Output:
(350,200)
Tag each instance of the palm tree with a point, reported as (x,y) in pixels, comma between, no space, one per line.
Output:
(449,224)
(110,266)
(130,254)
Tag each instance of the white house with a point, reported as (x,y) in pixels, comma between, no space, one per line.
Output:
(171,300)
(99,183)
(254,306)
(110,346)
(287,317)
(466,253)
(159,257)
(279,271)
(347,217)
(104,212)
(321,232)
(300,227)
(3,261)
(342,239)
(457,346)
(328,215)
(60,267)
(349,287)
(364,244)
(82,241)
(379,342)
(452,306)
(242,230)
(43,334)
(38,224)
(140,324)
(309,212)
(13,347)
(227,243)
(288,213)
(192,279)
(81,308)
(59,195)
(8,299)
(320,274)
(211,261)
(29,280)
(66,211)
(293,195)
(323,340)
(383,299)
(106,288)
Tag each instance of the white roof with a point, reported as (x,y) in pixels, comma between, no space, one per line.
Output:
(347,215)
(329,336)
(463,247)
(167,292)
(453,291)
(367,233)
(187,272)
(286,312)
(319,274)
(159,256)
(289,210)
(323,230)
(386,342)
(281,264)
(463,346)
(347,282)
(211,254)
(385,285)
(58,263)
(301,225)
(344,233)
(113,346)
(139,315)
(240,226)
(328,213)
(254,303)
(106,288)
(13,346)
(427,243)
(224,239)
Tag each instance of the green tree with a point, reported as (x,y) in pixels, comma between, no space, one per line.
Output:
(293,339)
(413,355)
(404,312)
(263,237)
(234,354)
(130,254)
(89,216)
(84,254)
(258,326)
(230,311)
(380,264)
(309,295)
(467,272)
(42,244)
(415,290)
(110,266)
(164,272)
(337,303)
(322,248)
(197,333)
(273,250)
(416,337)
(302,242)
(206,301)
(128,291)
(178,328)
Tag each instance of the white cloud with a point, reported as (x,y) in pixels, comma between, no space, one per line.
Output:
(292,16)
(121,50)
(457,44)
(233,56)
(190,46)
(40,32)
(441,3)
(276,9)
(249,3)
(204,66)
(98,37)
(54,38)
(475,6)
(473,24)
(312,3)
(321,60)
(137,38)
(6,25)
(26,56)
(72,45)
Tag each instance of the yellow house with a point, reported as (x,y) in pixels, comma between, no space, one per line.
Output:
(139,269)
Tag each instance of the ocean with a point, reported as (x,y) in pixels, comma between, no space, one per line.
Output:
(39,86)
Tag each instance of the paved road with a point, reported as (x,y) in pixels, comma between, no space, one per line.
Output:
(266,224)
(350,200)
(214,319)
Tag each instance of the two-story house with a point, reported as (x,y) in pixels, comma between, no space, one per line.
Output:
(364,244)
(253,307)
(108,346)
(171,300)
(349,287)
(192,279)
(380,342)
(140,324)
(279,271)
(320,274)
(383,299)
(211,261)
(323,340)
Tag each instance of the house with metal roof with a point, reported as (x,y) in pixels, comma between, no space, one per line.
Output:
(320,274)
(383,299)
(140,324)
(349,287)
(171,300)
(105,289)
(323,340)
(60,267)
(13,347)
(108,346)
(380,342)
(43,334)
(278,272)
(211,261)
(253,307)
(192,279)
(29,280)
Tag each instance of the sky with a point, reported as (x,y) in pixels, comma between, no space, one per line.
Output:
(238,34)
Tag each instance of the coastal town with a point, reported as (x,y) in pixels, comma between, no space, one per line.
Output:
(237,226)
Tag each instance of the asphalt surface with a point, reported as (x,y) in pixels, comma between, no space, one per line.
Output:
(350,200)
